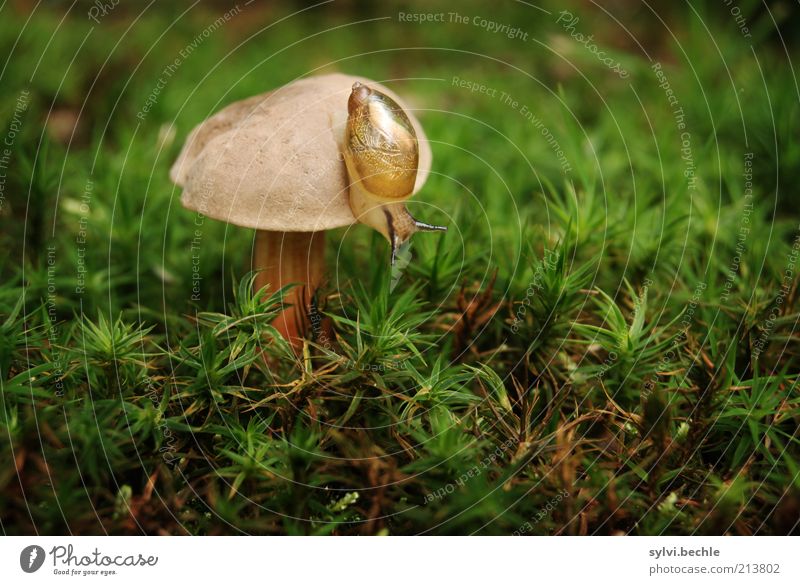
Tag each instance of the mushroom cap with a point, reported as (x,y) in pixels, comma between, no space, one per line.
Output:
(274,161)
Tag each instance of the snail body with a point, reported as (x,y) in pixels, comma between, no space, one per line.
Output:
(381,153)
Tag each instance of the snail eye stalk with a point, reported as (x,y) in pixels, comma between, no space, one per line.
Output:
(426,227)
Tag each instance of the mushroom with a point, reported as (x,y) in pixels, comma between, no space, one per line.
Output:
(317,154)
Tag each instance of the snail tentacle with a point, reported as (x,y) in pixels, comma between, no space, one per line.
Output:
(426,227)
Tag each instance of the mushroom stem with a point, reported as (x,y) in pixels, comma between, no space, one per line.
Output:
(290,258)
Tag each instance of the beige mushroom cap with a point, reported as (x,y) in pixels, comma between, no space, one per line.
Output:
(273,161)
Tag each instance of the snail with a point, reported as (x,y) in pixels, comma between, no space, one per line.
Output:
(381,153)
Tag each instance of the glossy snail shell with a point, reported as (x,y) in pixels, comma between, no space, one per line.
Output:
(380,145)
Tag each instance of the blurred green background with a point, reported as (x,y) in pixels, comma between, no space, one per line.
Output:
(554,136)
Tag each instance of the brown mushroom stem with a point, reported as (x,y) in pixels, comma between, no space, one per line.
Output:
(290,258)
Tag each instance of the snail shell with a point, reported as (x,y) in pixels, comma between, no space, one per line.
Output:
(380,145)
